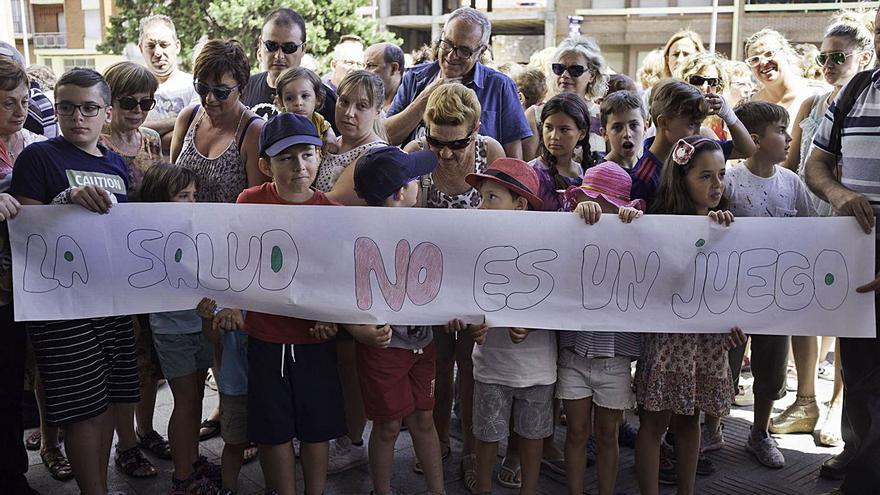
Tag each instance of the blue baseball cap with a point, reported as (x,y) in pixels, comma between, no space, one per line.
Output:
(285,130)
(381,172)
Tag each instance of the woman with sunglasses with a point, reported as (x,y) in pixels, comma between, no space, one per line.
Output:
(219,138)
(133,88)
(773,63)
(705,71)
(847,48)
(579,68)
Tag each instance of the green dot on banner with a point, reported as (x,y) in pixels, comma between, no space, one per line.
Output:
(277,259)
(700,243)
(829,279)
(68,256)
(178,255)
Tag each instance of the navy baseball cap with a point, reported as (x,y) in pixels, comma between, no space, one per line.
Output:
(381,172)
(285,130)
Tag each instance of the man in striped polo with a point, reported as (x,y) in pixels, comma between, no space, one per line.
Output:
(856,193)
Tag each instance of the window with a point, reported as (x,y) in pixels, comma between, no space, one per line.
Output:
(70,63)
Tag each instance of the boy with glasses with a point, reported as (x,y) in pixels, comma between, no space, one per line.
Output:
(87,366)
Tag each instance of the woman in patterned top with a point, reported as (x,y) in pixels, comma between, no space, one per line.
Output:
(133,88)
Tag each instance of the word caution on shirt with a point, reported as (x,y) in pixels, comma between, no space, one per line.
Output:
(422,267)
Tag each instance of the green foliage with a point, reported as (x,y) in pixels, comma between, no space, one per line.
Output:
(326,22)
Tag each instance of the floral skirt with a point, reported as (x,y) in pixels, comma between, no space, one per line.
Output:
(684,373)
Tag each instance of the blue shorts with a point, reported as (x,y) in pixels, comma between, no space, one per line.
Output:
(294,392)
(232,377)
(183,354)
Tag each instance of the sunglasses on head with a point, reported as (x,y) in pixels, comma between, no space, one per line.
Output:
(700,80)
(458,144)
(573,70)
(288,47)
(837,58)
(756,60)
(130,103)
(220,92)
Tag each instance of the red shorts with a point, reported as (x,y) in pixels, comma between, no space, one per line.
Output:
(395,382)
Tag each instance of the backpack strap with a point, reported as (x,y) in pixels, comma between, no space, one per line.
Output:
(844,104)
(244,132)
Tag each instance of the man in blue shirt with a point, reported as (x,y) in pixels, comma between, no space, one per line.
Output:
(465,37)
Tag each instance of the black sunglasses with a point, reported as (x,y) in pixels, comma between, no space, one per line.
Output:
(288,47)
(700,80)
(573,70)
(130,103)
(458,144)
(220,92)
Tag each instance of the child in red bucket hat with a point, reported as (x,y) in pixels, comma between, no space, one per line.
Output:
(515,369)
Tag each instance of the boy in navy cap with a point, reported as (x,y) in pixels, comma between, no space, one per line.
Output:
(395,363)
(303,398)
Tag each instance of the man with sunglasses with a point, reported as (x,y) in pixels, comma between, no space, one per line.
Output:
(282,44)
(854,153)
(464,38)
(160,47)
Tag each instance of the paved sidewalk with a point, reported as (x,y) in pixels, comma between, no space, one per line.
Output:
(738,473)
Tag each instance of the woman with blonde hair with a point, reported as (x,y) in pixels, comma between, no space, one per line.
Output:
(679,47)
(578,67)
(705,71)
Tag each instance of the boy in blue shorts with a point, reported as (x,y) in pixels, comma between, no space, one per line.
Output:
(84,383)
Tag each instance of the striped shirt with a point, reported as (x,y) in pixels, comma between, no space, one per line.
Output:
(602,344)
(860,140)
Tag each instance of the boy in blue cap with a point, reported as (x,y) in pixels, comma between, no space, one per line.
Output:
(303,399)
(396,362)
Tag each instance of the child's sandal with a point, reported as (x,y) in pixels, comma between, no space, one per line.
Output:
(509,477)
(154,443)
(133,463)
(57,464)
(469,472)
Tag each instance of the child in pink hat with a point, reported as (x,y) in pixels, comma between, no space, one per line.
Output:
(605,189)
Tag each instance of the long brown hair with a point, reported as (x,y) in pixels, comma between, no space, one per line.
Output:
(673,197)
(575,106)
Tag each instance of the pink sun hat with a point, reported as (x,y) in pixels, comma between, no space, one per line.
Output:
(611,182)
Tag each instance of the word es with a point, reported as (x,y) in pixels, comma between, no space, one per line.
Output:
(270,260)
(417,274)
(756,279)
(503,278)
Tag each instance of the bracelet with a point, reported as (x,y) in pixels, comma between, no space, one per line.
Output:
(217,310)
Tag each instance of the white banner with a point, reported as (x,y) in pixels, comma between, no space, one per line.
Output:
(792,276)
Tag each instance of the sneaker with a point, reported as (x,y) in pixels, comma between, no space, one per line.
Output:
(194,485)
(745,395)
(826,371)
(627,434)
(345,455)
(711,440)
(667,474)
(208,470)
(211,382)
(705,466)
(765,450)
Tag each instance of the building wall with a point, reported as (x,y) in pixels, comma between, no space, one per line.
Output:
(75,27)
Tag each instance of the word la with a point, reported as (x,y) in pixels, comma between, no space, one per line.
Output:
(44,272)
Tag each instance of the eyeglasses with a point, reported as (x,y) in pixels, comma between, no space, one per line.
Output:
(357,64)
(130,103)
(700,80)
(86,109)
(288,47)
(573,70)
(220,92)
(757,60)
(837,58)
(458,144)
(459,51)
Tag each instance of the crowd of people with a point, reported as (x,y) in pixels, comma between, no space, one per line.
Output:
(775,135)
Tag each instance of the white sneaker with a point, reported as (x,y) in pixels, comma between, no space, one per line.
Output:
(345,455)
(826,371)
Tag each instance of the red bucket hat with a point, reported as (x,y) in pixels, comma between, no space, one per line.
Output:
(611,182)
(515,175)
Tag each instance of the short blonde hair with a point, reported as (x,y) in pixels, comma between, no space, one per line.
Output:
(589,49)
(694,64)
(651,70)
(683,34)
(453,104)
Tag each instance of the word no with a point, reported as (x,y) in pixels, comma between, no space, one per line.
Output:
(417,274)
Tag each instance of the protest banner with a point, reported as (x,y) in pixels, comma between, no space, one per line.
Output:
(793,276)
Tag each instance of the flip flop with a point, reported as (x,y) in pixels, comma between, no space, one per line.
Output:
(445,452)
(509,477)
(555,465)
(250,453)
(213,429)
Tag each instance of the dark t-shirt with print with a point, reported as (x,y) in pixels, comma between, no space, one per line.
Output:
(260,98)
(47,168)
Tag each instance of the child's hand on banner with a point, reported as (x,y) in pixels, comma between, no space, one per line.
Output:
(517,335)
(323,330)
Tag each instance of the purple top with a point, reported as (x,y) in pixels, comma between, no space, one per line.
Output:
(554,200)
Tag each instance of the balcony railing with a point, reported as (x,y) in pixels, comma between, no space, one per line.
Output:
(50,40)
